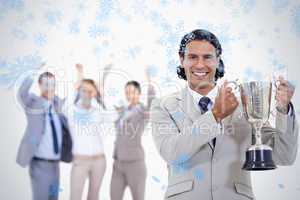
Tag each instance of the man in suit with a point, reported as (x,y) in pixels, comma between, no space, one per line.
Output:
(201,135)
(129,168)
(43,146)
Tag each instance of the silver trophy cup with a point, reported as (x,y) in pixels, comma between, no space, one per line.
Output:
(256,100)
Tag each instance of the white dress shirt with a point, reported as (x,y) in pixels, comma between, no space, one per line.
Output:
(211,95)
(86,129)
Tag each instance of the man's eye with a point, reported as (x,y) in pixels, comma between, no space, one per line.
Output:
(208,57)
(192,57)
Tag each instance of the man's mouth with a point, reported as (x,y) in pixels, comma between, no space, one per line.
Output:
(200,75)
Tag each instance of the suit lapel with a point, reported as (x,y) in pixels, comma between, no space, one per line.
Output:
(187,105)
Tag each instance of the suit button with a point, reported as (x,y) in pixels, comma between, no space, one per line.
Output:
(215,160)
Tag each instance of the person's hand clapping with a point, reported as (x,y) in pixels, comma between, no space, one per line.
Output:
(284,94)
(225,102)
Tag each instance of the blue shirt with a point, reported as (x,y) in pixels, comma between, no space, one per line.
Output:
(46,148)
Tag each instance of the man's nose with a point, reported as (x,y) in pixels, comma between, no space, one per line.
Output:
(199,64)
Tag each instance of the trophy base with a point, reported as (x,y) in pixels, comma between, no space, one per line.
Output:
(258,160)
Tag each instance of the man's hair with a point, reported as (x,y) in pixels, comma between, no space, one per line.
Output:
(200,34)
(135,84)
(45,75)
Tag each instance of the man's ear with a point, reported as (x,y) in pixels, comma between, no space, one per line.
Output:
(181,60)
(40,87)
(218,59)
(218,62)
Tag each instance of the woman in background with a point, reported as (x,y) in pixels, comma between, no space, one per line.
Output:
(88,153)
(129,168)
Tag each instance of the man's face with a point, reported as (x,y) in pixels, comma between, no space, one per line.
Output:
(200,62)
(47,87)
(132,94)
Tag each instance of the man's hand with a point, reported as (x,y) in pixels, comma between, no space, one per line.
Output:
(79,67)
(225,102)
(284,94)
(119,109)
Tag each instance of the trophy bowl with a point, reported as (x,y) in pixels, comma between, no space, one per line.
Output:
(256,100)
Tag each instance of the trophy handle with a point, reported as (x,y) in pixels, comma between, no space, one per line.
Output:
(237,89)
(275,82)
(235,85)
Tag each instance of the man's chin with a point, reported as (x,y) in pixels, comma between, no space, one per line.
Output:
(204,84)
(48,96)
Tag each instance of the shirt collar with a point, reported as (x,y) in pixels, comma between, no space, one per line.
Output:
(196,96)
(47,103)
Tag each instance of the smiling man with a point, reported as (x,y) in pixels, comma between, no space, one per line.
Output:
(46,140)
(201,135)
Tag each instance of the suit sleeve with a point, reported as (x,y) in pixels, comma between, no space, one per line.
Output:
(174,144)
(283,139)
(150,97)
(24,97)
